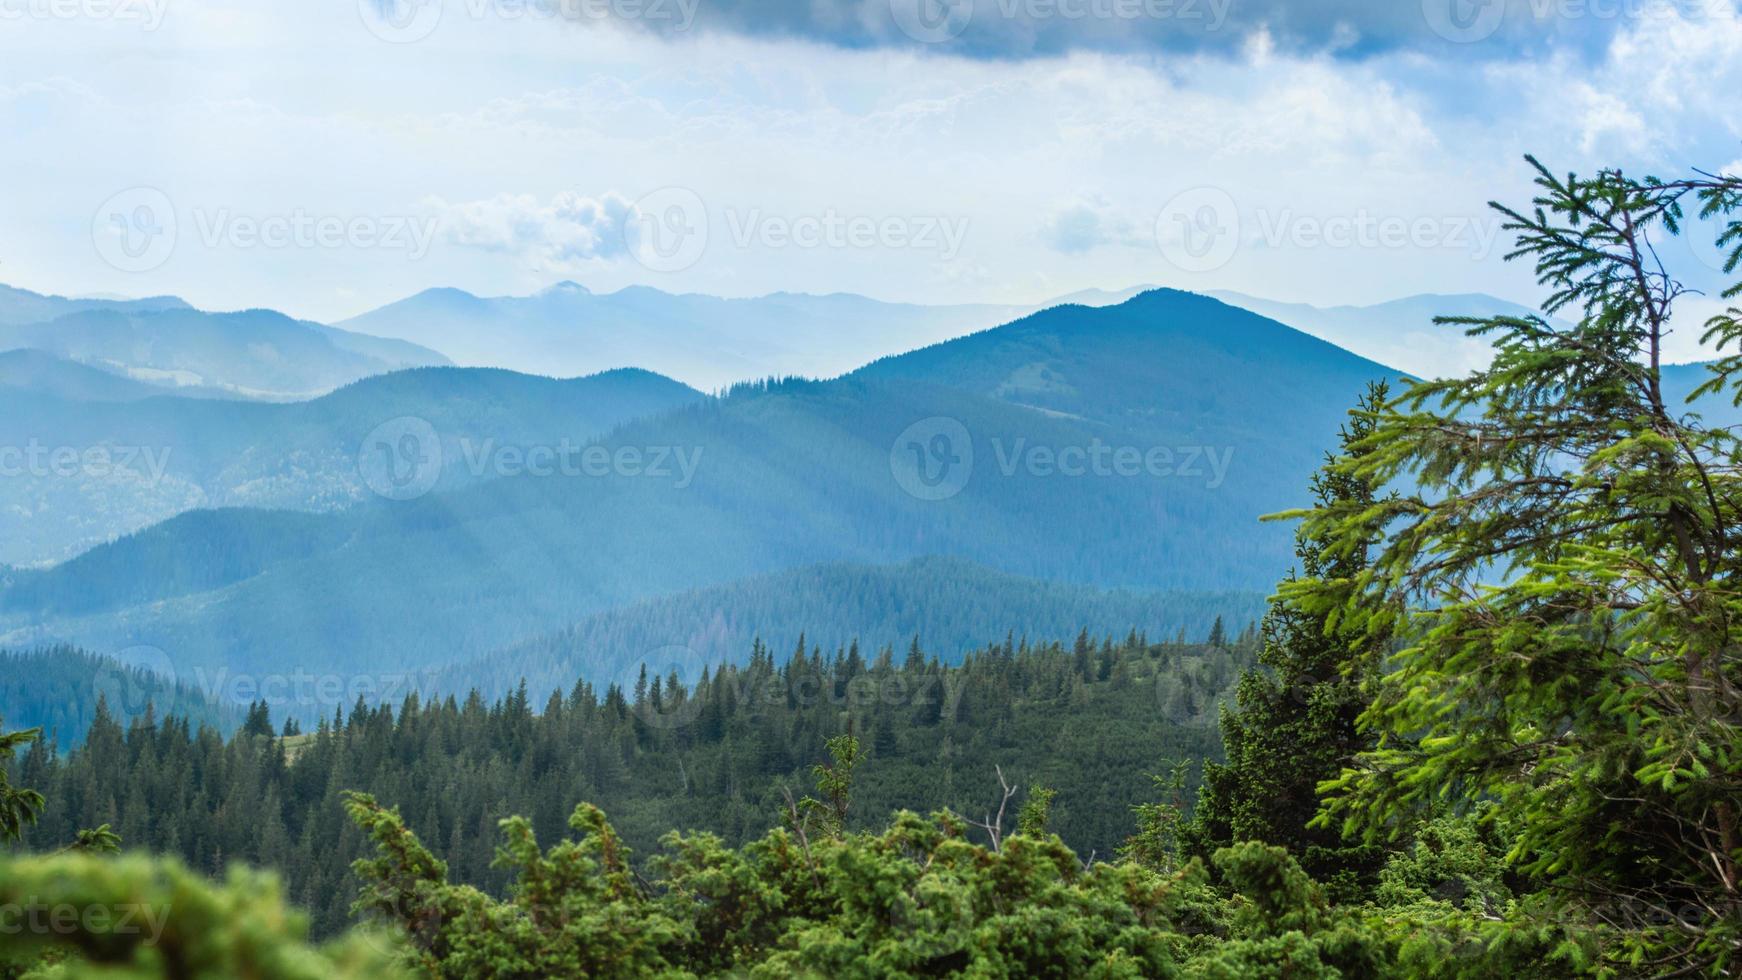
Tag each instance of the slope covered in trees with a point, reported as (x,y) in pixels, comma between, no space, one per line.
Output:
(944,602)
(1090,718)
(797,473)
(1525,576)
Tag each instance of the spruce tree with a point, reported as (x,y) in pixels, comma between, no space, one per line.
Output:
(1293,723)
(1562,573)
(18,807)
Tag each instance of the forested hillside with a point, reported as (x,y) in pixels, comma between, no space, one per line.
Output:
(1192,419)
(59,692)
(164,456)
(1091,719)
(1490,725)
(834,606)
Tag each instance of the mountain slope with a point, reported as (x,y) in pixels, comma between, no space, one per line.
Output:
(41,373)
(947,603)
(58,691)
(1232,410)
(255,353)
(165,455)
(1401,332)
(21,306)
(706,341)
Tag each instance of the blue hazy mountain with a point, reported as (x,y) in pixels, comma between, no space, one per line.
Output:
(156,457)
(254,353)
(705,341)
(21,306)
(1401,332)
(1198,417)
(58,690)
(950,605)
(40,373)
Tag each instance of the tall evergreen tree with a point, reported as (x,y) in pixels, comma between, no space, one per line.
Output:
(1563,573)
(1293,722)
(18,807)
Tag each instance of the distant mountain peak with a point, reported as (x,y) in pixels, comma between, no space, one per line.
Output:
(565,288)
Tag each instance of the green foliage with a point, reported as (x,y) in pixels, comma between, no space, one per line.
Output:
(1562,575)
(716,756)
(58,690)
(138,918)
(1156,844)
(102,840)
(1293,722)
(18,807)
(1031,819)
(835,782)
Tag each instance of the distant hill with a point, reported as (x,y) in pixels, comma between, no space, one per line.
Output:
(58,690)
(1401,332)
(948,604)
(163,341)
(21,306)
(41,373)
(1217,416)
(168,455)
(706,341)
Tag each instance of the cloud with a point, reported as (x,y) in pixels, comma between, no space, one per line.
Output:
(1004,29)
(564,231)
(1086,225)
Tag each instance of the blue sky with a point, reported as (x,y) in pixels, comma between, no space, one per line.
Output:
(322,158)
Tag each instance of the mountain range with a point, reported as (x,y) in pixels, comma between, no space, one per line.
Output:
(1101,463)
(705,341)
(142,458)
(163,341)
(1129,447)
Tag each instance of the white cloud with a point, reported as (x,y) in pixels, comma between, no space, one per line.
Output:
(1090,223)
(566,231)
(515,131)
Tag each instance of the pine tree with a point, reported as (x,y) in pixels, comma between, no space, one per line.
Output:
(18,807)
(1562,572)
(1294,721)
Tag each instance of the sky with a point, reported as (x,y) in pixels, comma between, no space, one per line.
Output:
(325,157)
